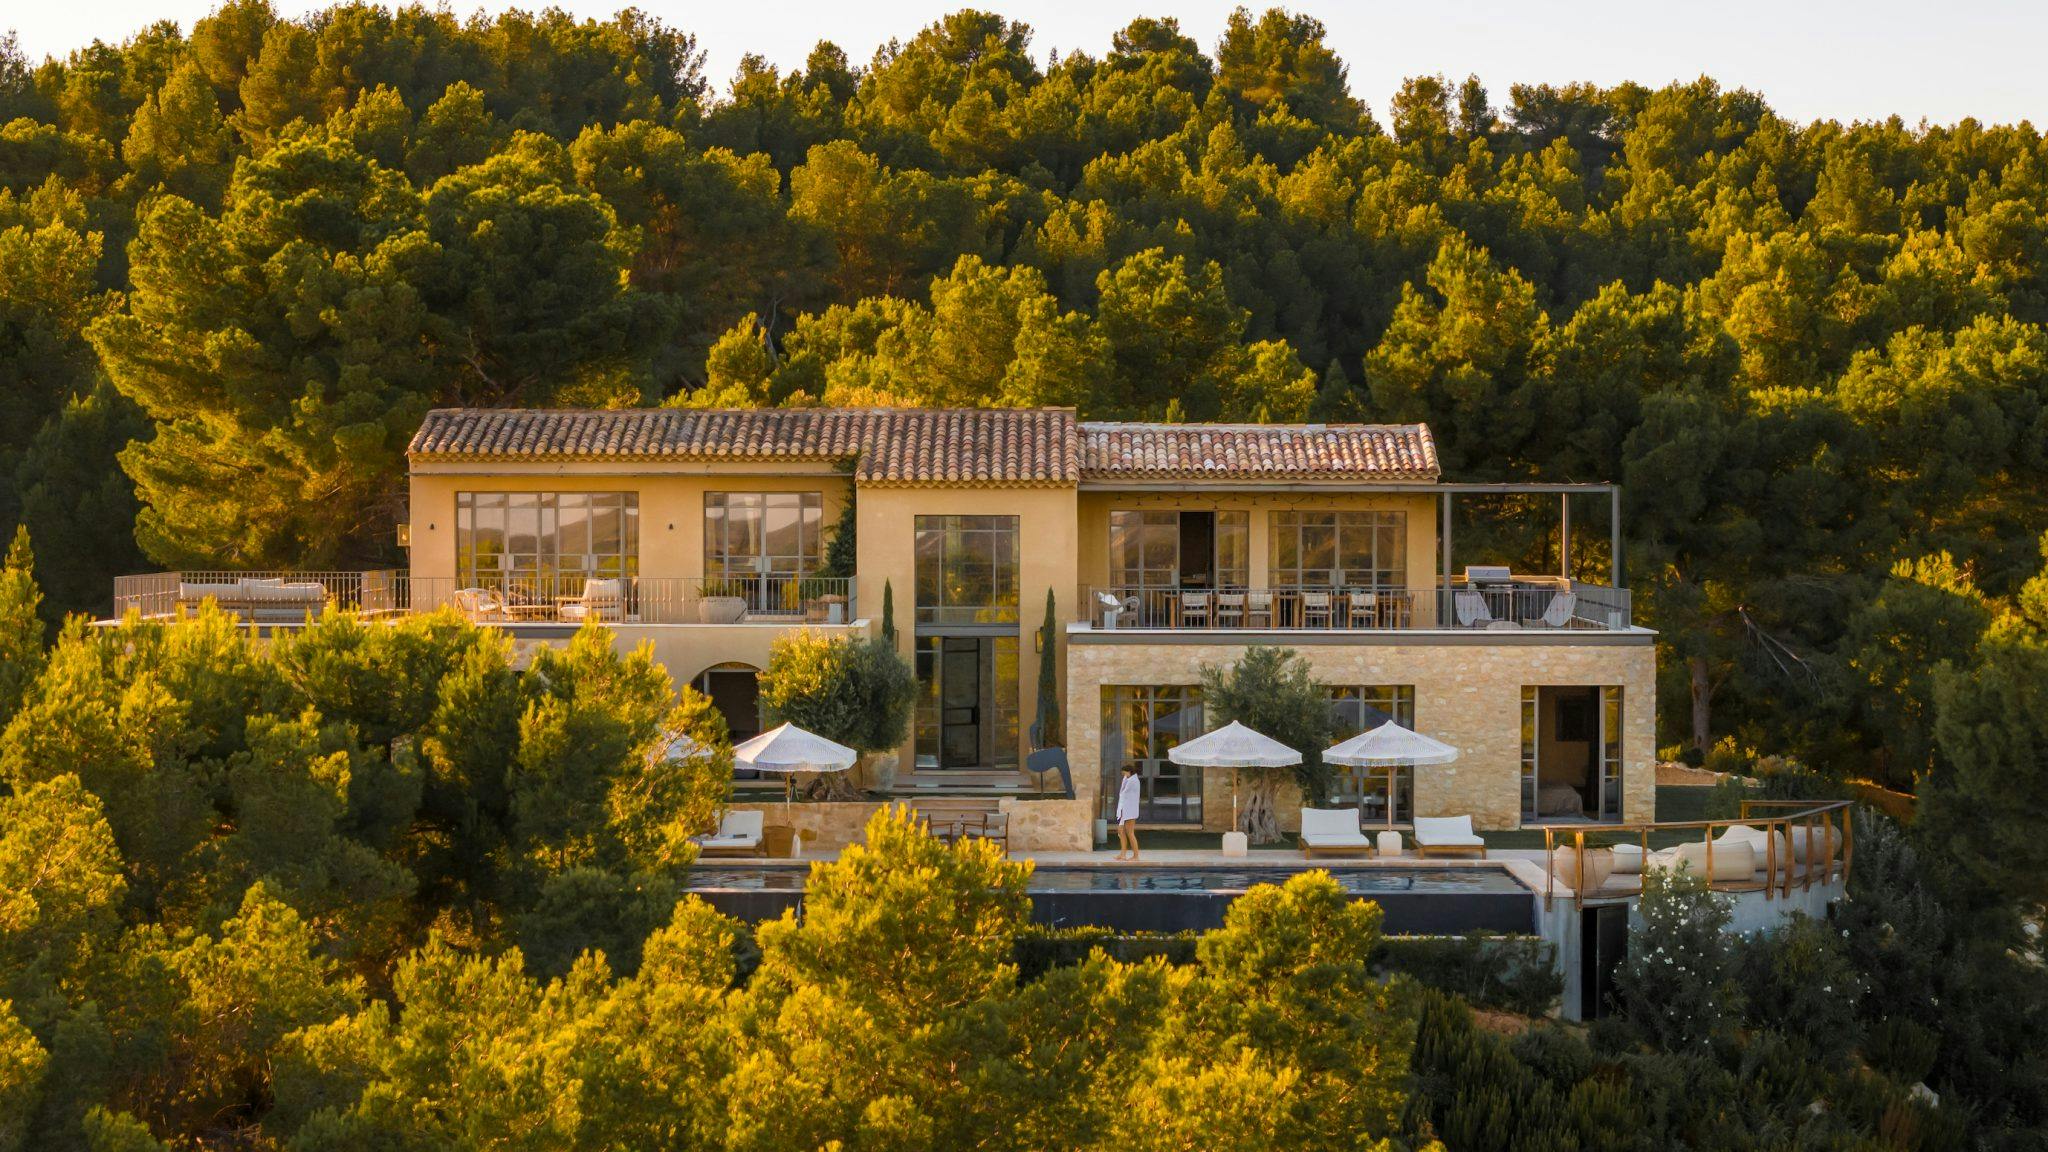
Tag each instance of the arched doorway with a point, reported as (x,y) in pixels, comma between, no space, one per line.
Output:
(735,690)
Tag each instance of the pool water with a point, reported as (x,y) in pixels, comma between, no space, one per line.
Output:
(1365,881)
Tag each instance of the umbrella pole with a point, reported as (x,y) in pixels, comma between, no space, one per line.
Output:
(1233,799)
(788,787)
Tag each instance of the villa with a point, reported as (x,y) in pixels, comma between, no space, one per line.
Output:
(1164,548)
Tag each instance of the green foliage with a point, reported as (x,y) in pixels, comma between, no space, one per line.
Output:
(1273,691)
(21,625)
(1678,985)
(859,692)
(1507,973)
(1049,730)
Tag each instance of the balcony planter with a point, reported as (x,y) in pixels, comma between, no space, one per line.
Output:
(721,609)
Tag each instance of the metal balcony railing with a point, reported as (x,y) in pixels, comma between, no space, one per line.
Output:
(281,597)
(1526,603)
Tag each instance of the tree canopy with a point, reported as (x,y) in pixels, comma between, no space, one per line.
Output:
(237,262)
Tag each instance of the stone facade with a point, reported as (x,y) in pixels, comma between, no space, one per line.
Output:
(1035,825)
(1467,693)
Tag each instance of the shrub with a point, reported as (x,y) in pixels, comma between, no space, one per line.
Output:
(1677,985)
(1901,1049)
(1800,982)
(1506,973)
(1727,756)
(1040,948)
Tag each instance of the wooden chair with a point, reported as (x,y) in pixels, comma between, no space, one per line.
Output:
(1258,606)
(1229,609)
(1194,609)
(1315,610)
(993,827)
(1364,609)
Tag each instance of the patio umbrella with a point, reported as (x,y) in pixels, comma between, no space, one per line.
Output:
(1387,745)
(1233,746)
(788,749)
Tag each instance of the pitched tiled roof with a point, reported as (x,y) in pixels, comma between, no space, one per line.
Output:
(943,446)
(1385,452)
(938,446)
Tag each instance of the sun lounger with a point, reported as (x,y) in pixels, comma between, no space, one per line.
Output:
(739,834)
(1446,834)
(1332,830)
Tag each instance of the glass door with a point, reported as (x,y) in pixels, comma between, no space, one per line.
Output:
(1141,725)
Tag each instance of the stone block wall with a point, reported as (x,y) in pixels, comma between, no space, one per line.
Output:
(1466,694)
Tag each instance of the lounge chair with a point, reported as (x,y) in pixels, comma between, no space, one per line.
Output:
(1472,610)
(602,600)
(1446,834)
(739,834)
(1559,612)
(1759,843)
(1332,830)
(481,605)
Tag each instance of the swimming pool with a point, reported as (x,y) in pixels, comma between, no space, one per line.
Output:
(1416,901)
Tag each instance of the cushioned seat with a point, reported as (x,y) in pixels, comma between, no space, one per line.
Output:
(739,834)
(1332,830)
(1735,860)
(1446,834)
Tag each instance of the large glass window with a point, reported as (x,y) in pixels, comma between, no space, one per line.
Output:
(506,538)
(1340,549)
(758,545)
(758,533)
(1168,549)
(1140,725)
(967,569)
(1384,794)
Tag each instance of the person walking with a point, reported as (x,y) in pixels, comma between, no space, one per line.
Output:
(1127,814)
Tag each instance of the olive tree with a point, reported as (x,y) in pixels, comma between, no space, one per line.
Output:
(1272,691)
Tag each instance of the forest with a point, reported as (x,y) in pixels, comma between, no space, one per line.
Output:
(237,265)
(239,262)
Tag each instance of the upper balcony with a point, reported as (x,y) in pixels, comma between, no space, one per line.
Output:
(284,599)
(1485,601)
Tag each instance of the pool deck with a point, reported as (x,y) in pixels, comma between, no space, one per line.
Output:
(1524,864)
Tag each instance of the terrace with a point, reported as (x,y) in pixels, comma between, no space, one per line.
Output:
(285,598)
(1322,560)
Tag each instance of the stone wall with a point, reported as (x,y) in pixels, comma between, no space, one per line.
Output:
(825,827)
(1050,825)
(1466,694)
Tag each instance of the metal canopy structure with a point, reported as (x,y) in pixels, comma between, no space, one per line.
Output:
(1563,492)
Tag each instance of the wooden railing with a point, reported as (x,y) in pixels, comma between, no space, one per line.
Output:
(1822,827)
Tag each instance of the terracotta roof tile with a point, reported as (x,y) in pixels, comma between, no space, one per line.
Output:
(945,446)
(1388,452)
(938,446)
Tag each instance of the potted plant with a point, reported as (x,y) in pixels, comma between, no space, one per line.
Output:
(721,602)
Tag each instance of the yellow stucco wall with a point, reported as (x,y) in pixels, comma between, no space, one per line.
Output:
(887,519)
(1095,507)
(671,504)
(1468,695)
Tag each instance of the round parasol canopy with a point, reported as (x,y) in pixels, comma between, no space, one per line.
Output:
(788,748)
(1390,744)
(1233,746)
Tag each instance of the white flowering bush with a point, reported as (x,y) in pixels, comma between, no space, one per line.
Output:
(1677,987)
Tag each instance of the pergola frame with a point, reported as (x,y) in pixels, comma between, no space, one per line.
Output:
(1563,492)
